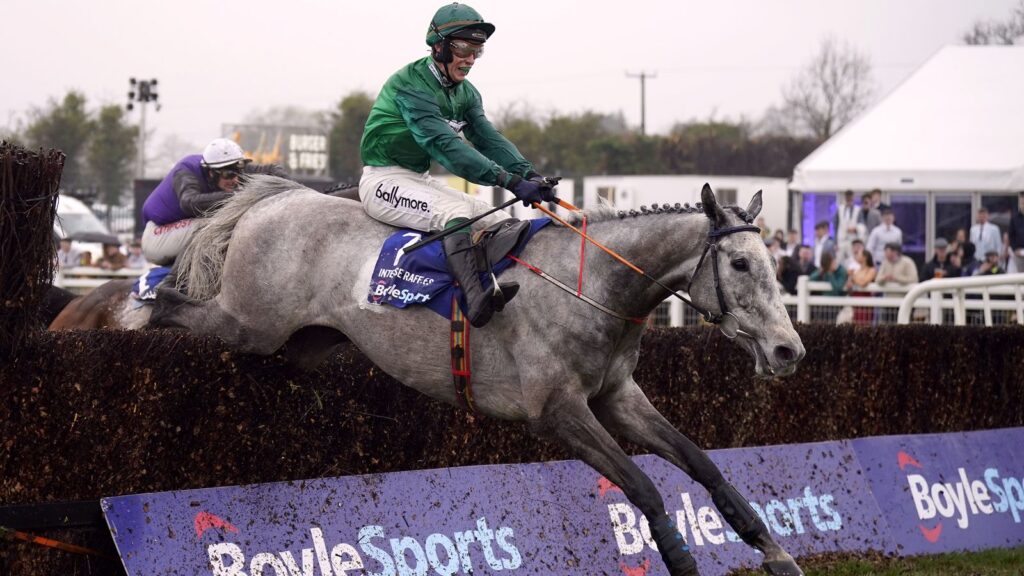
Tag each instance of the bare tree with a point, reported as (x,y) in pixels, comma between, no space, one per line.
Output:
(830,91)
(1001,33)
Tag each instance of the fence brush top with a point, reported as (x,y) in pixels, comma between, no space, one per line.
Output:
(29,185)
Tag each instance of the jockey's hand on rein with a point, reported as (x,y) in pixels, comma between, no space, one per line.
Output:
(527,190)
(547,185)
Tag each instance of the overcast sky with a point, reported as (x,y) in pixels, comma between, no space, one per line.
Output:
(220,61)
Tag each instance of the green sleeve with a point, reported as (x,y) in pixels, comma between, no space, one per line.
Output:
(492,143)
(432,133)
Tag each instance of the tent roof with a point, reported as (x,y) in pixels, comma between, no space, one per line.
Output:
(957,123)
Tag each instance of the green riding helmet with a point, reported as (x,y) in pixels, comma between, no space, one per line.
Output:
(458,21)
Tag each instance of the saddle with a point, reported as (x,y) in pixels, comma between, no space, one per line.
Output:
(422,277)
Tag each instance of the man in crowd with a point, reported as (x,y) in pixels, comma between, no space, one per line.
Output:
(856,247)
(805,260)
(896,268)
(822,242)
(985,235)
(940,266)
(870,217)
(884,234)
(67,255)
(793,244)
(847,226)
(990,265)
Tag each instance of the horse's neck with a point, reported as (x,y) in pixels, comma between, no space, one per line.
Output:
(665,246)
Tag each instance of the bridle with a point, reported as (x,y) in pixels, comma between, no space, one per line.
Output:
(725,320)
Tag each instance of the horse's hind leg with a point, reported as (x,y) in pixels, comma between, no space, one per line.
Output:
(568,420)
(628,412)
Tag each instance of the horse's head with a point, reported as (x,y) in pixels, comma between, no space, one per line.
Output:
(745,296)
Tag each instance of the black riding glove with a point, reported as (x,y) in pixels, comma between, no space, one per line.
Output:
(527,190)
(547,186)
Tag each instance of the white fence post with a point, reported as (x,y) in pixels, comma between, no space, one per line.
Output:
(803,292)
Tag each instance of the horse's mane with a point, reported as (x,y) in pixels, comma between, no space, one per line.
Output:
(605,212)
(201,265)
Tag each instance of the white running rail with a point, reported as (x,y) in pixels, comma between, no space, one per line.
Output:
(82,279)
(985,286)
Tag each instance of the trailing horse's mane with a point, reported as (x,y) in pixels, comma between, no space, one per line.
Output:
(605,212)
(200,266)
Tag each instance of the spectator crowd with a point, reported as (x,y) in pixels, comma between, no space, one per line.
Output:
(114,256)
(868,244)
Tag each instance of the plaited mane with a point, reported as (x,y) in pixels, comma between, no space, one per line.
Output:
(606,212)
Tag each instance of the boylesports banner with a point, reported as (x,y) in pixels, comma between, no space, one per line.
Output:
(563,518)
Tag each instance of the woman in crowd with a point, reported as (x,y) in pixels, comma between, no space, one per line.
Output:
(857,284)
(835,275)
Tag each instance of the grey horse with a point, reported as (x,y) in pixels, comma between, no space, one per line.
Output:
(297,269)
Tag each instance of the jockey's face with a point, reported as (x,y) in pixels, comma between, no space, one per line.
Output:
(227,184)
(227,177)
(464,55)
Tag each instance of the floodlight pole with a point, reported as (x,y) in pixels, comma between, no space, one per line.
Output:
(643,76)
(143,92)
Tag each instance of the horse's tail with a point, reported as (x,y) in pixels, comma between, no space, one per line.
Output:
(201,264)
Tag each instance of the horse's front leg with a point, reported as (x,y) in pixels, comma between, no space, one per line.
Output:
(568,420)
(627,411)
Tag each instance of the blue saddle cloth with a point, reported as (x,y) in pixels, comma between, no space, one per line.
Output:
(144,287)
(421,277)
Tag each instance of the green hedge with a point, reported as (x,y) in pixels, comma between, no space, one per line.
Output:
(91,414)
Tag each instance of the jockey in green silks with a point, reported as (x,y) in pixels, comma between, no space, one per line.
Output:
(421,114)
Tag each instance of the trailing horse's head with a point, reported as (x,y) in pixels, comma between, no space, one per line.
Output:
(735,283)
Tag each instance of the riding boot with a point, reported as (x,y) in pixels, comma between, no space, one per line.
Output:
(462,262)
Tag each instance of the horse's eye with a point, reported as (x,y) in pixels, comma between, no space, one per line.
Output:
(740,264)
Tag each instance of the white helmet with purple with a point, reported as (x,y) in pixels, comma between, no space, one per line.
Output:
(222,152)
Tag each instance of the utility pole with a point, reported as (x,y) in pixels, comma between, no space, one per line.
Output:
(143,92)
(643,76)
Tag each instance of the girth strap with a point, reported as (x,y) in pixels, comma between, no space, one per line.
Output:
(459,345)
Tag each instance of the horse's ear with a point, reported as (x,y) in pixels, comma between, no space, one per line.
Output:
(754,208)
(711,207)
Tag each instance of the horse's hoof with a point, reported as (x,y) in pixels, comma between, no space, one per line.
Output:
(782,567)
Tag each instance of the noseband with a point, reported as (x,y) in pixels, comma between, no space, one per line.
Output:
(711,246)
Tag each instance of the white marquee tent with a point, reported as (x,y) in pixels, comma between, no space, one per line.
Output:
(957,123)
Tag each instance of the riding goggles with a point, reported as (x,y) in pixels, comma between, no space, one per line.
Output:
(229,172)
(463,49)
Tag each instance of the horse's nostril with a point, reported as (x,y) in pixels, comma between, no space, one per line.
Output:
(785,354)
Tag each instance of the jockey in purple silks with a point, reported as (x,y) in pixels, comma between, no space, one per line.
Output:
(191,190)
